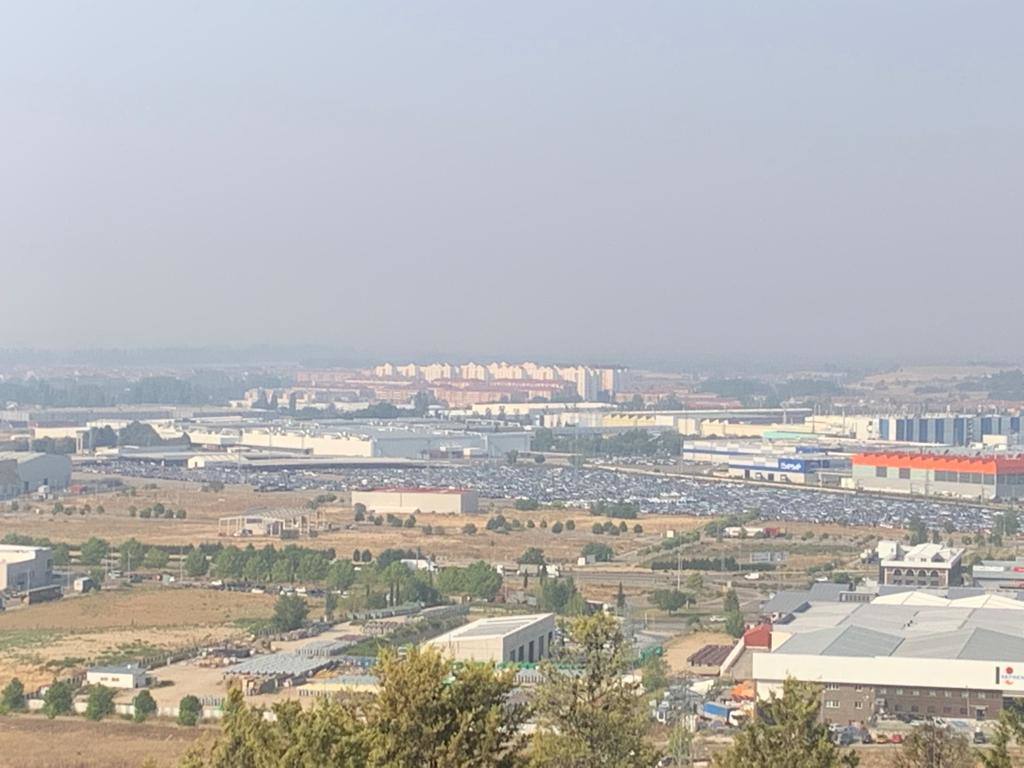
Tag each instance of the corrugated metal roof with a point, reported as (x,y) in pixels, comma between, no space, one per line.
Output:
(827,591)
(788,601)
(279,664)
(975,644)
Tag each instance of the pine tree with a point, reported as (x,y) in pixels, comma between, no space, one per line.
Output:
(593,719)
(787,733)
(932,746)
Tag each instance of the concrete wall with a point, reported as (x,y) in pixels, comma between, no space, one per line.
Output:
(537,637)
(458,502)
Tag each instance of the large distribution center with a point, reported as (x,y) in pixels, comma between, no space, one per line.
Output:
(412,441)
(912,654)
(503,639)
(987,476)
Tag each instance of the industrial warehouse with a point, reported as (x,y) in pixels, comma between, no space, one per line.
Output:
(974,476)
(456,501)
(22,473)
(911,654)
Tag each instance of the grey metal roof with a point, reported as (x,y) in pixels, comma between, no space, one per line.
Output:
(827,591)
(117,669)
(842,641)
(279,664)
(955,593)
(788,601)
(976,644)
(861,641)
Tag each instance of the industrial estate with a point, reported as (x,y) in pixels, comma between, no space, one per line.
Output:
(512,385)
(277,543)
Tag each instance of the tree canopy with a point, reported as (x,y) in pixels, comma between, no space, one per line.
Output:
(593,719)
(787,733)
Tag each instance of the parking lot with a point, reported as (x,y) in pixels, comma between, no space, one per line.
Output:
(665,494)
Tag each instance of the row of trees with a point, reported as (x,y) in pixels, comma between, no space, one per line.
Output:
(60,696)
(432,713)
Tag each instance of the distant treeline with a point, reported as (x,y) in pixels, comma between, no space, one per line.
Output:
(635,442)
(753,391)
(199,388)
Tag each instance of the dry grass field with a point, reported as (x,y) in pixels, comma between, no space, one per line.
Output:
(682,647)
(30,741)
(39,641)
(204,508)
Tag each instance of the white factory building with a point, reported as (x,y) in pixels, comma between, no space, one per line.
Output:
(24,568)
(22,473)
(123,676)
(511,639)
(456,501)
(412,441)
(914,654)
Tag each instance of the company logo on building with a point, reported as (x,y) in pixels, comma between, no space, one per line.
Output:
(1006,675)
(791,465)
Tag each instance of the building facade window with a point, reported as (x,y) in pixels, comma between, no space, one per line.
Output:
(881,471)
(904,473)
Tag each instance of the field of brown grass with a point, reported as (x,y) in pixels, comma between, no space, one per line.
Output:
(31,741)
(38,641)
(204,508)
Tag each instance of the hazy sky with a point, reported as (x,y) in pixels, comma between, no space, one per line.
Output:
(611,180)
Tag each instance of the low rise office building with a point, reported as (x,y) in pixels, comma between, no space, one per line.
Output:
(925,565)
(118,676)
(513,639)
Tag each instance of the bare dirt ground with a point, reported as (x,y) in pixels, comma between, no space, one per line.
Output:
(32,741)
(39,641)
(681,647)
(115,524)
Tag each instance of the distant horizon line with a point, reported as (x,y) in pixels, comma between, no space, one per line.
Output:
(310,355)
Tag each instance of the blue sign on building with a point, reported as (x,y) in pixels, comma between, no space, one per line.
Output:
(792,465)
